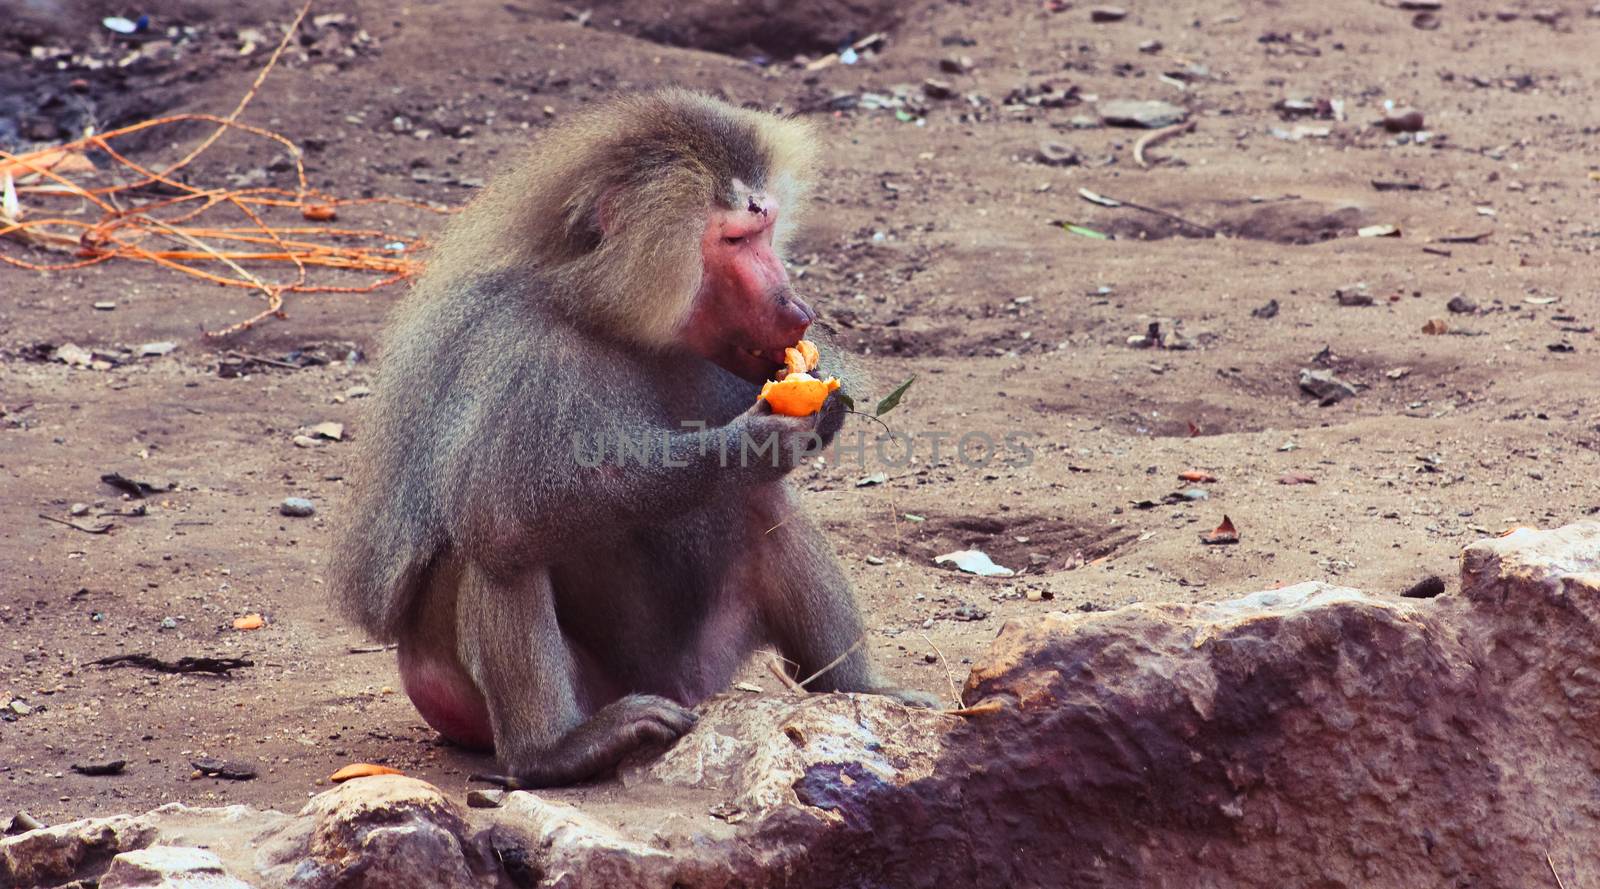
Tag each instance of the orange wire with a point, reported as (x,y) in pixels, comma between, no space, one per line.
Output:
(119,232)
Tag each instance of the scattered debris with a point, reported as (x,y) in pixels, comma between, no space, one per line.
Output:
(974,561)
(1057,154)
(1426,588)
(297,507)
(249,622)
(1150,140)
(1149,114)
(134,488)
(220,666)
(106,767)
(212,767)
(1353,296)
(1402,120)
(1224,533)
(1328,388)
(329,430)
(100,528)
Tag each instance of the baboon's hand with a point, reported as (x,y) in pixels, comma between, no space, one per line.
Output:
(766,440)
(634,722)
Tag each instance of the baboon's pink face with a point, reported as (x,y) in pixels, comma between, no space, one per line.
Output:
(746,313)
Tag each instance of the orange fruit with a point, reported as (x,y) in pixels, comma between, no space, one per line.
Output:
(798,394)
(801,358)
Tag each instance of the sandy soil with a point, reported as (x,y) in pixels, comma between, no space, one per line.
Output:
(931,248)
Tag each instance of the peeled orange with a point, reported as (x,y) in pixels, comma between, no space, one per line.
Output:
(798,394)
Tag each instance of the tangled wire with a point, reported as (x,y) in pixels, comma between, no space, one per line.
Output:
(176,231)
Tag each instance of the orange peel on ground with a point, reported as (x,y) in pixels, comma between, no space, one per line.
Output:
(361,770)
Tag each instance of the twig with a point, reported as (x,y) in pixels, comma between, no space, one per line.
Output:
(992,705)
(218,665)
(87,529)
(776,668)
(369,649)
(1156,137)
(242,356)
(1552,864)
(955,693)
(1210,232)
(835,662)
(215,254)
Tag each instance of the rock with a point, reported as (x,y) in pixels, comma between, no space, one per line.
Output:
(1057,154)
(1313,735)
(378,832)
(212,767)
(53,855)
(955,64)
(1107,14)
(151,350)
(297,507)
(169,867)
(1403,120)
(1152,114)
(1328,388)
(1460,305)
(938,89)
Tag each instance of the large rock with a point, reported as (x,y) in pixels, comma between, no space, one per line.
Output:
(1308,736)
(169,867)
(376,833)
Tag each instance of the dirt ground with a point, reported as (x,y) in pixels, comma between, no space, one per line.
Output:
(935,248)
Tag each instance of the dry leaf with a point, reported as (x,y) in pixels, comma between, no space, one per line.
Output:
(249,622)
(1224,533)
(319,212)
(1435,326)
(361,770)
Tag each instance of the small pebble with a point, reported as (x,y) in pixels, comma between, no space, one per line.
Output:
(297,507)
(485,799)
(78,509)
(105,306)
(1107,14)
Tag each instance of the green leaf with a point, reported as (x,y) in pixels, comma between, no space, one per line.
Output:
(1086,232)
(892,400)
(849,403)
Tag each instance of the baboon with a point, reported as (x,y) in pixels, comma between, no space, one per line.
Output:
(623,290)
